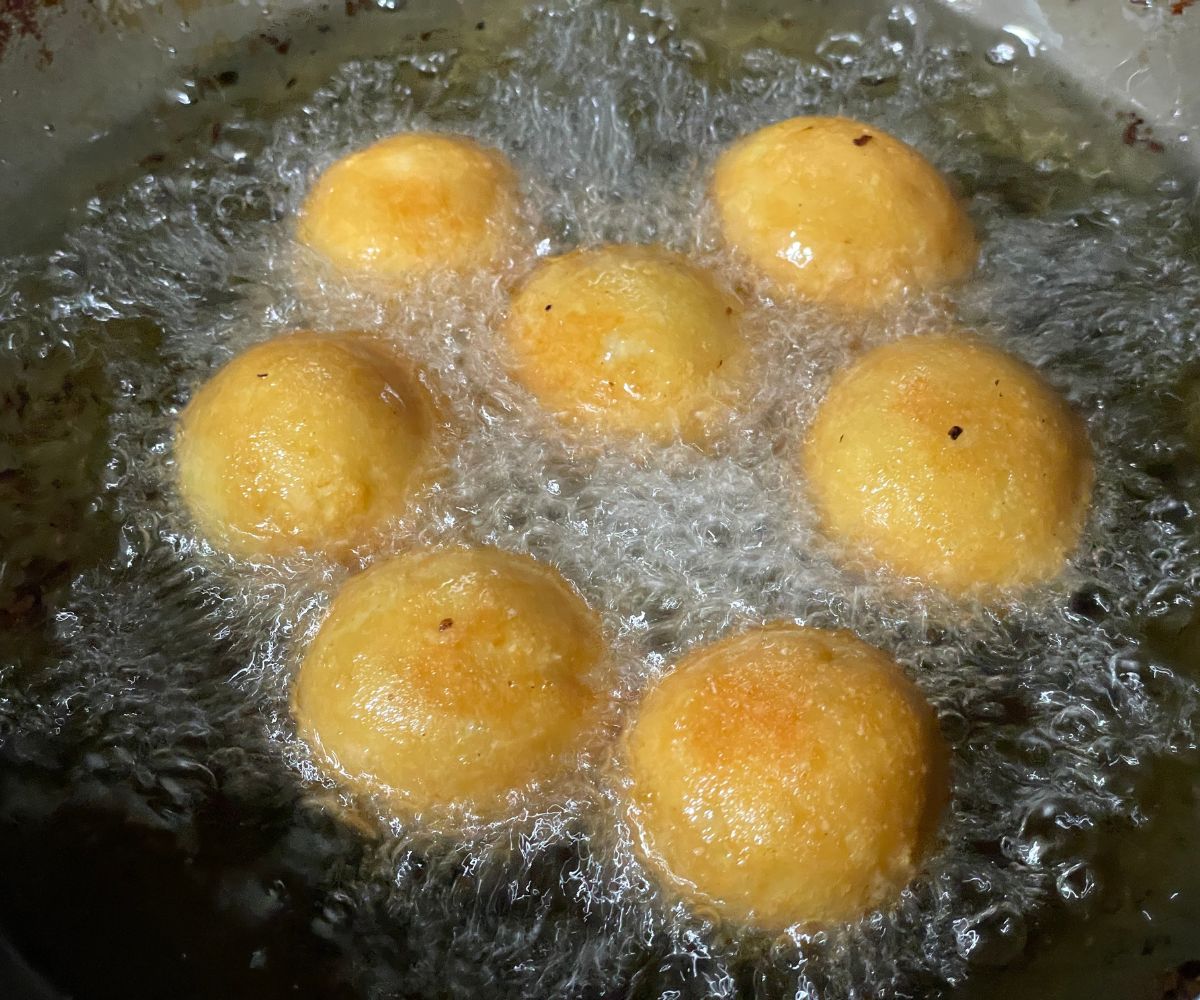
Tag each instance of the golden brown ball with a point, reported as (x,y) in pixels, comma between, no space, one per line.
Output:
(787,775)
(304,442)
(840,212)
(411,204)
(625,340)
(952,462)
(451,678)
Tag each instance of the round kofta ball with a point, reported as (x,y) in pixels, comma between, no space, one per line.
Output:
(451,678)
(952,462)
(411,204)
(307,442)
(786,776)
(842,213)
(625,340)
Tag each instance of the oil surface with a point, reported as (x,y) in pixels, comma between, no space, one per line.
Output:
(143,691)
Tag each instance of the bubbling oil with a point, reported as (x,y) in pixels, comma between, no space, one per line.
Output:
(169,665)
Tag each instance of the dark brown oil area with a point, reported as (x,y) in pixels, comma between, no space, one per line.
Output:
(230,881)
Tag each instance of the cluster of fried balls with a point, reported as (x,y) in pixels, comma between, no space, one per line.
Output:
(782,775)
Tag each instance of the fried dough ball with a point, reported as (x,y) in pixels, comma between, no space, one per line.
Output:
(786,775)
(451,678)
(411,204)
(840,212)
(628,339)
(952,462)
(304,442)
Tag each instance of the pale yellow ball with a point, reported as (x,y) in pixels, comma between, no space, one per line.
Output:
(304,442)
(840,212)
(626,340)
(951,462)
(411,204)
(451,678)
(787,775)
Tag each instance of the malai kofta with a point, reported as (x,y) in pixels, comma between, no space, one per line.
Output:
(952,462)
(839,212)
(412,204)
(451,678)
(786,775)
(307,442)
(625,340)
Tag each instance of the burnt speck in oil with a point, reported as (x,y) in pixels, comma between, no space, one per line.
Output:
(263,374)
(227,78)
(480,26)
(955,431)
(445,623)
(20,18)
(1134,134)
(280,45)
(549,307)
(863,139)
